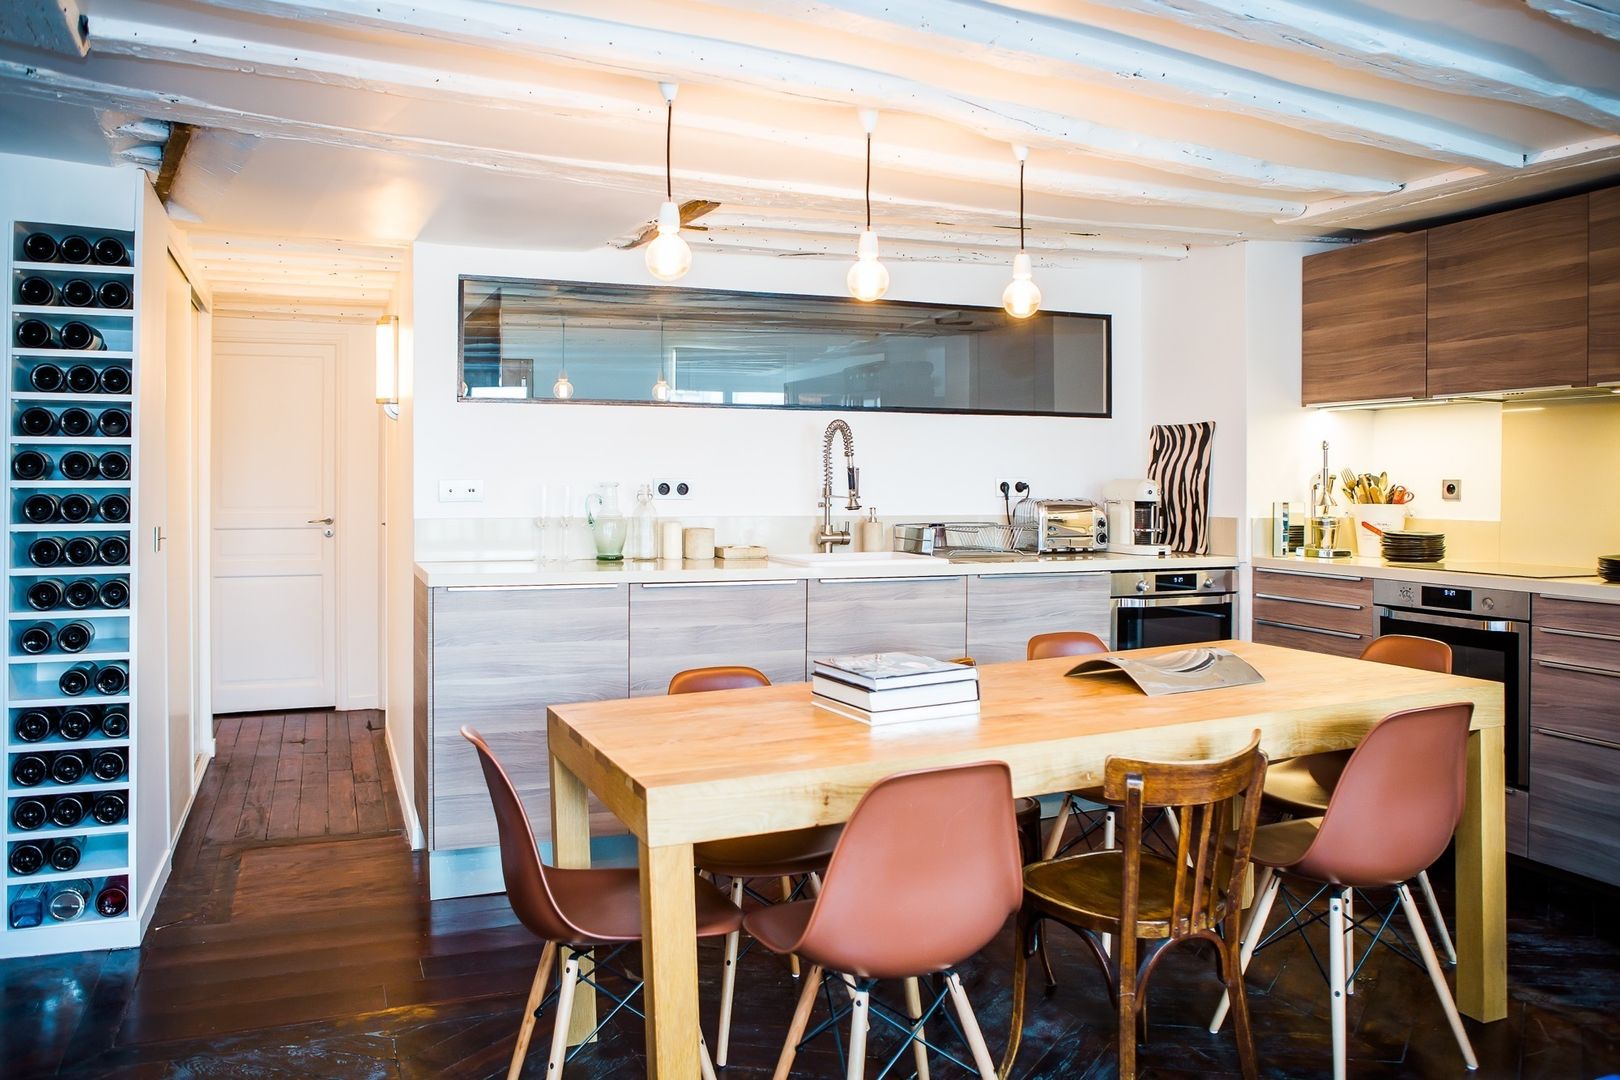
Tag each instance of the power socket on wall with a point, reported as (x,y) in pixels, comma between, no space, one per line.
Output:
(1014,488)
(1451,490)
(672,489)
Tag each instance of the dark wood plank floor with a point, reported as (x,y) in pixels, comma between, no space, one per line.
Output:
(296,940)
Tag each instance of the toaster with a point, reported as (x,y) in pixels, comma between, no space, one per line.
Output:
(1070,525)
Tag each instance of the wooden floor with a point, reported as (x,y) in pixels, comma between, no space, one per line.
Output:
(296,940)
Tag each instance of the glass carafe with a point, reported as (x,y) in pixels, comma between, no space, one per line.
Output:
(607,522)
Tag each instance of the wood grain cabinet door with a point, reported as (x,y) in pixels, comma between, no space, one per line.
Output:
(675,626)
(500,657)
(926,615)
(1005,610)
(1507,300)
(1364,321)
(1603,288)
(1326,613)
(1574,816)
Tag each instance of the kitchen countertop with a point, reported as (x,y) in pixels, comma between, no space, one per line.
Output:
(498,573)
(1590,587)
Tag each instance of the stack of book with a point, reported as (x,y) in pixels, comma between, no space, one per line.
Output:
(895,688)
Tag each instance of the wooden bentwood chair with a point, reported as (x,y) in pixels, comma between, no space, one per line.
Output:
(577,910)
(1140,896)
(777,857)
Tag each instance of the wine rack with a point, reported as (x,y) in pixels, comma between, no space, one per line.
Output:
(70,746)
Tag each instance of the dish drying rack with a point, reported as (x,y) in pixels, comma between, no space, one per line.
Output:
(965,537)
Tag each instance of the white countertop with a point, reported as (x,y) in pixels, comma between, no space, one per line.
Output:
(1590,587)
(499,573)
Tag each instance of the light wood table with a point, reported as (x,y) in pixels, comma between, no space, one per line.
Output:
(679,770)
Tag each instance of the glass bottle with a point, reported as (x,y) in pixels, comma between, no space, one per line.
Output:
(643,542)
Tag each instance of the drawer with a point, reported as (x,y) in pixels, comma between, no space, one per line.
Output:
(1326,615)
(1581,647)
(1310,639)
(1574,815)
(1518,821)
(1591,616)
(1575,700)
(1344,590)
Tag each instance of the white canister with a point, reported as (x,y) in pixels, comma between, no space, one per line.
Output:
(1383,516)
(669,540)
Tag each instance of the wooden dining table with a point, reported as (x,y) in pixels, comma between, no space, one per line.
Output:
(695,767)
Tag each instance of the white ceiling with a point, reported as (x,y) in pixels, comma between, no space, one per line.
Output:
(1152,124)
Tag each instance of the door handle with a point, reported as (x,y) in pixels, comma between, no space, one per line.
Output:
(321,521)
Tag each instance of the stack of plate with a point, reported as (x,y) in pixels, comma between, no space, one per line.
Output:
(1410,547)
(1609,568)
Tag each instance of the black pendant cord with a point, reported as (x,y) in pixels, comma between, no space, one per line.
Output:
(1020,204)
(669,142)
(868,181)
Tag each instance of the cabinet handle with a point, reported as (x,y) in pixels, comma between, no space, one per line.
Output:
(1587,634)
(1583,739)
(1026,577)
(1307,629)
(718,584)
(1578,600)
(929,579)
(1312,603)
(526,588)
(1308,573)
(1582,669)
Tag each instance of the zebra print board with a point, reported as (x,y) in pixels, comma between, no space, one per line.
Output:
(1178,461)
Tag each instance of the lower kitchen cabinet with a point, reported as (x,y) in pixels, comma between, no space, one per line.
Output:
(675,626)
(926,615)
(1325,613)
(1574,814)
(1005,610)
(1517,803)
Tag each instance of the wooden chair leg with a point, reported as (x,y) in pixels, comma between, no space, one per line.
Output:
(728,980)
(970,1028)
(1054,839)
(915,1011)
(801,1017)
(1267,888)
(857,1035)
(1232,969)
(537,993)
(565,1012)
(1336,980)
(1436,976)
(787,894)
(1020,980)
(1433,904)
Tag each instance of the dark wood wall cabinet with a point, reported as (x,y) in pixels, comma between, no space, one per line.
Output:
(1524,299)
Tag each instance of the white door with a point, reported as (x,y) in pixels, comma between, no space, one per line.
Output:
(274,494)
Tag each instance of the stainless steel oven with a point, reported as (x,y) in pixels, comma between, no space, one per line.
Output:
(1489,634)
(1171,607)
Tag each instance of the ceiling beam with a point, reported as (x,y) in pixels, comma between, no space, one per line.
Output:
(1383,51)
(656,54)
(224,243)
(52,25)
(1004,241)
(1589,15)
(1031,43)
(745,241)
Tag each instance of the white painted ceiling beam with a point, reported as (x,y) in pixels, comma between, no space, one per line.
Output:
(1003,240)
(748,217)
(225,243)
(1024,42)
(1332,32)
(51,25)
(329,294)
(1589,15)
(843,247)
(668,55)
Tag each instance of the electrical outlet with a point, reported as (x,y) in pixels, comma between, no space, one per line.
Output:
(1451,490)
(461,491)
(672,489)
(1014,488)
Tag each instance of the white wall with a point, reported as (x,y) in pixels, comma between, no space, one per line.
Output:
(1420,447)
(399,561)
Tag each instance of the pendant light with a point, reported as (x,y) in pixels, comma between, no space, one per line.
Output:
(661,388)
(868,279)
(562,389)
(1021,298)
(668,256)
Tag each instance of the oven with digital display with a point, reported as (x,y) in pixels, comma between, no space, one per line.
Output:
(1180,607)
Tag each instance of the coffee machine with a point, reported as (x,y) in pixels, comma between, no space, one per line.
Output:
(1135,518)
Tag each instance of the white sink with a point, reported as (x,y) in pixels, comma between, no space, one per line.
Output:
(855,558)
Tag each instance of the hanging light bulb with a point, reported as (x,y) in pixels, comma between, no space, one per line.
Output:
(868,279)
(562,389)
(668,256)
(661,388)
(1021,298)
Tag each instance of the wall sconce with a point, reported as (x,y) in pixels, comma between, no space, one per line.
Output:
(388,365)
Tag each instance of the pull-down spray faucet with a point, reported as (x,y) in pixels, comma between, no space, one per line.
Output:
(828,538)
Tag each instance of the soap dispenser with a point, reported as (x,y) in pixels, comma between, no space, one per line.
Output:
(642,543)
(873,536)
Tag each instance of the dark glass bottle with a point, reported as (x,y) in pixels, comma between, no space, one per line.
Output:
(113,294)
(39,508)
(77,292)
(108,765)
(114,593)
(82,337)
(36,334)
(110,251)
(75,636)
(77,465)
(29,770)
(74,725)
(80,593)
(67,811)
(68,767)
(111,680)
(29,814)
(76,679)
(75,507)
(74,249)
(116,380)
(76,422)
(114,722)
(113,465)
(80,550)
(66,852)
(45,594)
(113,423)
(36,292)
(27,907)
(82,379)
(109,808)
(36,421)
(114,508)
(35,639)
(45,550)
(30,465)
(32,726)
(39,247)
(46,378)
(27,858)
(114,551)
(113,899)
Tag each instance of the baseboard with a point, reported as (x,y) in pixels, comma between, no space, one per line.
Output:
(407,805)
(152,892)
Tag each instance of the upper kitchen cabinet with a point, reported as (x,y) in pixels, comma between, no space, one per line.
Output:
(1603,270)
(1364,321)
(1507,300)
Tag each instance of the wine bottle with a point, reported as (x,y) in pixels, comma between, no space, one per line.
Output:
(77,465)
(65,853)
(76,422)
(69,900)
(113,465)
(44,594)
(74,249)
(77,292)
(113,899)
(80,550)
(36,291)
(114,508)
(76,679)
(68,767)
(73,725)
(35,639)
(113,423)
(30,465)
(27,858)
(114,551)
(29,814)
(80,593)
(108,765)
(113,294)
(75,507)
(36,334)
(32,726)
(29,770)
(46,378)
(110,251)
(109,808)
(27,907)
(75,637)
(114,593)
(111,680)
(45,551)
(114,722)
(39,508)
(82,379)
(116,380)
(67,811)
(82,337)
(39,247)
(36,421)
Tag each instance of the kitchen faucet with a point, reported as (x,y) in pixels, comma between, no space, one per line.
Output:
(828,538)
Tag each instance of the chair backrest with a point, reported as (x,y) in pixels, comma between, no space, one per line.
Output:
(1065,643)
(1212,852)
(924,876)
(697,680)
(525,875)
(1404,650)
(1398,800)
